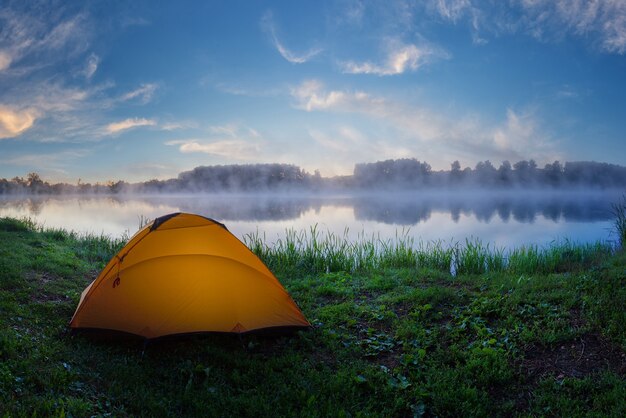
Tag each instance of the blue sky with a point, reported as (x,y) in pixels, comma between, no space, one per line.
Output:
(103,90)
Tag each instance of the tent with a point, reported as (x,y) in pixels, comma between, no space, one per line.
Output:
(185,273)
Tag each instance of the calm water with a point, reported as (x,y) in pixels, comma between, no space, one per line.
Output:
(506,220)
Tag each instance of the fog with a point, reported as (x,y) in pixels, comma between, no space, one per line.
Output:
(512,217)
(511,205)
(391,175)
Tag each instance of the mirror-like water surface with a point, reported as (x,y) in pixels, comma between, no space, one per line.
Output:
(505,220)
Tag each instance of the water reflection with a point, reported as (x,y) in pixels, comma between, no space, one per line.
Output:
(432,215)
(523,208)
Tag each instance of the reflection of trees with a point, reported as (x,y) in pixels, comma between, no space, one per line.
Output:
(504,210)
(524,211)
(521,207)
(402,209)
(35,206)
(31,206)
(552,210)
(391,212)
(241,208)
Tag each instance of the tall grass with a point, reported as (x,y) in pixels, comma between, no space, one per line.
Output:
(328,251)
(90,247)
(619,212)
(317,251)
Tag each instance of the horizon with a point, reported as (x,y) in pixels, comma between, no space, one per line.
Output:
(401,174)
(136,92)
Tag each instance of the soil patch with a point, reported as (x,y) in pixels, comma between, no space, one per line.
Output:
(587,354)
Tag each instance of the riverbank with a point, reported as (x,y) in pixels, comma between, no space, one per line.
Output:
(526,332)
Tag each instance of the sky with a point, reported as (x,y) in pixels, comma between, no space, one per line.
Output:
(115,90)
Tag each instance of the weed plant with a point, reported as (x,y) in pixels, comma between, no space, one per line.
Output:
(316,251)
(619,223)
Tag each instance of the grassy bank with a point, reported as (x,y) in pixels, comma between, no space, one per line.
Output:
(526,332)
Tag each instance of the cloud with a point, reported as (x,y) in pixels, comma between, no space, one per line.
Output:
(57,97)
(344,139)
(125,124)
(425,124)
(145,93)
(517,133)
(399,59)
(173,126)
(423,132)
(353,13)
(62,113)
(42,34)
(38,45)
(232,149)
(5,60)
(228,141)
(602,21)
(604,18)
(234,131)
(267,24)
(14,122)
(451,10)
(91,66)
(47,161)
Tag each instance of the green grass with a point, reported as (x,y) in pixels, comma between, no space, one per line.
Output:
(401,328)
(316,251)
(619,222)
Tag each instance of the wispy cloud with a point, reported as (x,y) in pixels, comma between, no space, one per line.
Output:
(91,66)
(174,126)
(55,111)
(232,149)
(14,122)
(5,60)
(125,124)
(352,13)
(233,130)
(47,161)
(229,141)
(451,9)
(144,93)
(267,24)
(602,21)
(518,133)
(236,89)
(44,59)
(399,59)
(428,133)
(39,33)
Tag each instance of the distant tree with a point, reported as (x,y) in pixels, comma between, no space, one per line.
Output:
(455,175)
(400,173)
(553,174)
(116,187)
(407,173)
(505,173)
(525,172)
(485,173)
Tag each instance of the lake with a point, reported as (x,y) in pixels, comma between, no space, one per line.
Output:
(507,219)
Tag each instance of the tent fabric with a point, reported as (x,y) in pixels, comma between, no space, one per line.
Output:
(185,273)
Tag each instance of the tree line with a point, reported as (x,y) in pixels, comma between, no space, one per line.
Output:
(399,174)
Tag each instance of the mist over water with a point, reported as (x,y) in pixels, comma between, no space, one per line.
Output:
(505,219)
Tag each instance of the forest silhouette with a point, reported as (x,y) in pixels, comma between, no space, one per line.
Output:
(388,175)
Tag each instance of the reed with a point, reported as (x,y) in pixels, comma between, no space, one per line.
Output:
(619,212)
(316,251)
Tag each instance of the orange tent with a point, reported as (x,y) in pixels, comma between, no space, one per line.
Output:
(181,274)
